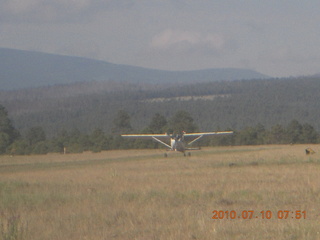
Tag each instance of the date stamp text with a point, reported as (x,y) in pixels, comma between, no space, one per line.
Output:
(264,214)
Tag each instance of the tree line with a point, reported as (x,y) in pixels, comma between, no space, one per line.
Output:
(35,141)
(229,104)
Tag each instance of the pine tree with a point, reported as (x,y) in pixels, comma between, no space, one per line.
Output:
(35,135)
(158,124)
(182,121)
(294,131)
(7,132)
(122,123)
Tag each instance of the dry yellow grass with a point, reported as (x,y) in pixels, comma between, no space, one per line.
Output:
(138,194)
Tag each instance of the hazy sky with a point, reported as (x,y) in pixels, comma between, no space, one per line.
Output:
(279,38)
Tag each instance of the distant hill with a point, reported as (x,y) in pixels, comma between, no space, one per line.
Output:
(214,106)
(26,69)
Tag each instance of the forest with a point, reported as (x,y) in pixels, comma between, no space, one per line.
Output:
(35,140)
(91,116)
(214,106)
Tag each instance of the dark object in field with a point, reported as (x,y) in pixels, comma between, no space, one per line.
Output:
(309,151)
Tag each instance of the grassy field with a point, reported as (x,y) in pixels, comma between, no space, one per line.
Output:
(139,194)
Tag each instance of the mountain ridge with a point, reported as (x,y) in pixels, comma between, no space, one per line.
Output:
(30,69)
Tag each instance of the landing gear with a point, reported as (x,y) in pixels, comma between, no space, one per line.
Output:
(165,155)
(187,154)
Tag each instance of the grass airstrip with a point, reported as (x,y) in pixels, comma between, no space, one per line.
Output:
(247,192)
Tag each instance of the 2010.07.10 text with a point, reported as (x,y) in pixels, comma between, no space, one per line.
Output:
(264,214)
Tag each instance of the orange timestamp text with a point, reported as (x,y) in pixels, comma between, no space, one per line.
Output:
(264,214)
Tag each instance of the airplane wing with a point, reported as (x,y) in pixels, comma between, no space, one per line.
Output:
(163,137)
(157,137)
(146,136)
(198,136)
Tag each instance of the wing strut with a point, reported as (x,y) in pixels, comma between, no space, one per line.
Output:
(194,140)
(158,140)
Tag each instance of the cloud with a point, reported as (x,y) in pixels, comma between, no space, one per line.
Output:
(192,49)
(42,11)
(187,40)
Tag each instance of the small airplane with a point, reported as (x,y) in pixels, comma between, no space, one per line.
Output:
(177,141)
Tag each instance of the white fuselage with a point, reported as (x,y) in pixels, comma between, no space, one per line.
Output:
(177,145)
